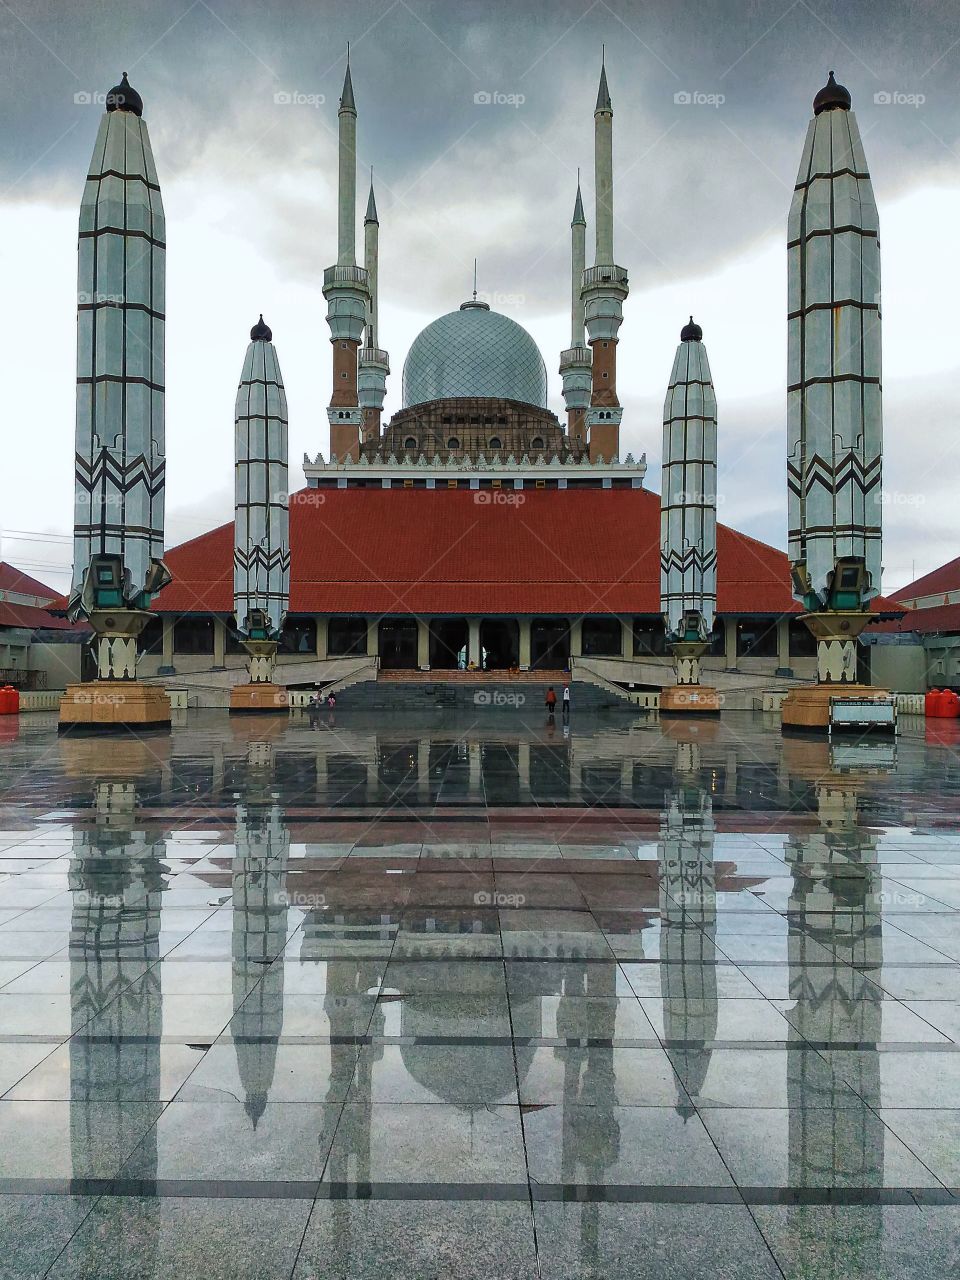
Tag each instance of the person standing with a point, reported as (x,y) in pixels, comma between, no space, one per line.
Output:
(566,701)
(551,701)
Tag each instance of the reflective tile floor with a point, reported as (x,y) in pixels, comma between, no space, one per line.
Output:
(432,997)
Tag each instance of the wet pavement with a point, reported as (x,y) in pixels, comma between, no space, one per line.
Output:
(446,996)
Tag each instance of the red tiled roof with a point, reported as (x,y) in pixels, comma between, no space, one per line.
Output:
(569,551)
(938,581)
(32,617)
(940,618)
(13,579)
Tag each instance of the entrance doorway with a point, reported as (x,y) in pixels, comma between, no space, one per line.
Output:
(500,643)
(448,644)
(549,644)
(397,644)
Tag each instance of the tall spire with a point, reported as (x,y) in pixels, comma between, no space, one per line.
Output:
(347,187)
(603,93)
(604,290)
(371,214)
(347,102)
(578,217)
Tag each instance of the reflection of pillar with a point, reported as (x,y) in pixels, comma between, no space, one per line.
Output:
(833,902)
(322,622)
(688,911)
(476,769)
(473,642)
(423,644)
(423,768)
(523,771)
(259,936)
(525,643)
(116,880)
(590,1133)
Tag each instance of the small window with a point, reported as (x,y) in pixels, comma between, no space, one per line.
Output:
(408,484)
(451,484)
(541,484)
(410,443)
(536,442)
(453,443)
(495,442)
(496,484)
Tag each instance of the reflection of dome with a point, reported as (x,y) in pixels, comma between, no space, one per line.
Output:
(474,352)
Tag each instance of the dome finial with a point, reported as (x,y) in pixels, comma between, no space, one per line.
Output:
(603,93)
(831,97)
(691,332)
(261,332)
(123,97)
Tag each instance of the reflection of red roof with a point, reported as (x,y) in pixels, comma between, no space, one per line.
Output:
(946,578)
(414,551)
(30,616)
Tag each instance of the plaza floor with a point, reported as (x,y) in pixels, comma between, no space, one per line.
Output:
(479,997)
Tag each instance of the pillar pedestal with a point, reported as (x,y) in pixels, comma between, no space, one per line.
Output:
(688,696)
(836,633)
(116,699)
(261,694)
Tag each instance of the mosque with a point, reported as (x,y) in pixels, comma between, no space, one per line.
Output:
(476,529)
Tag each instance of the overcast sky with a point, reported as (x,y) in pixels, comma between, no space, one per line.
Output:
(241,102)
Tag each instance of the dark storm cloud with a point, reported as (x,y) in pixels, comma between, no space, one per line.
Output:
(696,181)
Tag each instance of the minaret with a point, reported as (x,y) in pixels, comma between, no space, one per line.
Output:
(345,289)
(374,362)
(118,517)
(688,521)
(576,361)
(604,290)
(261,554)
(834,426)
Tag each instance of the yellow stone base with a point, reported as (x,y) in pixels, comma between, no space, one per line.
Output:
(689,699)
(251,698)
(113,704)
(810,708)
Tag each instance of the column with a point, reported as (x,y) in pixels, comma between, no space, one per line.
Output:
(730,641)
(783,644)
(423,644)
(166,667)
(219,644)
(576,638)
(323,623)
(524,643)
(372,637)
(473,642)
(626,638)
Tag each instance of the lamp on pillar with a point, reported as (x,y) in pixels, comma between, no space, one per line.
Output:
(834,419)
(688,523)
(261,555)
(120,442)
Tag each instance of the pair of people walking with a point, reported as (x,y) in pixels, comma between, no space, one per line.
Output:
(551,701)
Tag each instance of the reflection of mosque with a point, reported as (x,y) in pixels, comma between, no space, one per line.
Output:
(116,876)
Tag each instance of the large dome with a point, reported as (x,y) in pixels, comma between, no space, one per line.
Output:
(474,352)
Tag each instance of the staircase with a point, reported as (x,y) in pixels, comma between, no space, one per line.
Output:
(482,692)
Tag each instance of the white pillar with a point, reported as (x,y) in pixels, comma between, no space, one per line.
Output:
(473,643)
(525,643)
(423,644)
